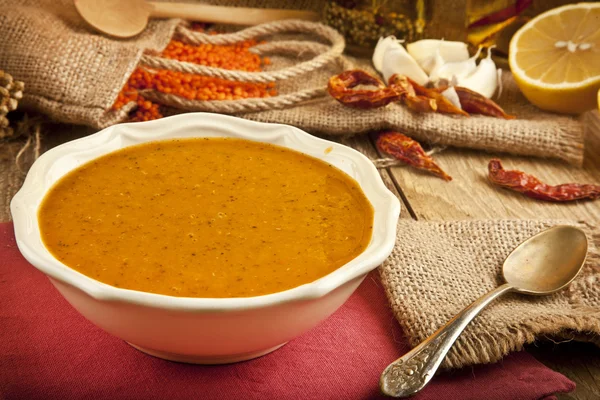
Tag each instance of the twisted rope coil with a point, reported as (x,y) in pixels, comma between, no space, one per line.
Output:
(234,106)
(324,55)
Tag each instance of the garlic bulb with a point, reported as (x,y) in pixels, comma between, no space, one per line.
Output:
(398,61)
(455,70)
(382,46)
(484,80)
(445,62)
(424,52)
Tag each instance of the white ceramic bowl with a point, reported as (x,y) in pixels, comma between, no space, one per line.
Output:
(203,330)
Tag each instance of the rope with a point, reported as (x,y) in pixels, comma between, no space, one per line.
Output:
(323,58)
(289,47)
(290,25)
(234,106)
(323,55)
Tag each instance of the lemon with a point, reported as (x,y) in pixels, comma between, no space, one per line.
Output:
(555,58)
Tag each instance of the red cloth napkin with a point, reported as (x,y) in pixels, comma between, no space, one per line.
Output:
(49,351)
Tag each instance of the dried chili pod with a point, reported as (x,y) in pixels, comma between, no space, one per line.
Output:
(530,186)
(443,104)
(409,151)
(406,92)
(340,87)
(475,103)
(421,104)
(401,85)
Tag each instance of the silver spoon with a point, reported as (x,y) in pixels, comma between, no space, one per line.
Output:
(543,264)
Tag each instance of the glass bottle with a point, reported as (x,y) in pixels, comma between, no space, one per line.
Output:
(363,22)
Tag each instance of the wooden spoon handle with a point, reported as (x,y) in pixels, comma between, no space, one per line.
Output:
(226,15)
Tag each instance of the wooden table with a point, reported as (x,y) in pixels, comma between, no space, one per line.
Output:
(468,196)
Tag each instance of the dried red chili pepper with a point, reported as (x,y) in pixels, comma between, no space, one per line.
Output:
(474,103)
(443,104)
(340,88)
(402,86)
(409,151)
(414,96)
(406,92)
(530,186)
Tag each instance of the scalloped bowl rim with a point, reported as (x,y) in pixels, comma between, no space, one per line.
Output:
(44,173)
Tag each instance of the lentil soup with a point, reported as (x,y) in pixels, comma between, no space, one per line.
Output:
(206,217)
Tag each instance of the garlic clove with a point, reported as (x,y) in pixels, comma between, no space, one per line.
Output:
(398,61)
(384,43)
(499,78)
(438,63)
(452,97)
(423,51)
(484,80)
(455,70)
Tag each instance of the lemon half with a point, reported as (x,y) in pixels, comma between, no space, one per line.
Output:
(555,58)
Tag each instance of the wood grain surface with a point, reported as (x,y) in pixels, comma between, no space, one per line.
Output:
(365,147)
(470,195)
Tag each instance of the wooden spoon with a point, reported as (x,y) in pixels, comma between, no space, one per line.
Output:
(127,18)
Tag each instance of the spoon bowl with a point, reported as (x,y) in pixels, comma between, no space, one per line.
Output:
(121,19)
(543,264)
(546,262)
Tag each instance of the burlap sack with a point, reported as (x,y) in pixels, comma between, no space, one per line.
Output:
(74,75)
(438,268)
(70,73)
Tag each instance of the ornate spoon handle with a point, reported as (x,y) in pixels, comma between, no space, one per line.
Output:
(411,372)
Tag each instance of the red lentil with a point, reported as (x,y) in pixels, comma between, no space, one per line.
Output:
(195,87)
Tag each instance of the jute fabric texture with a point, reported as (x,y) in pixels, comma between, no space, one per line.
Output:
(438,268)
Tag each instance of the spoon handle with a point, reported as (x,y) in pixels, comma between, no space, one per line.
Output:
(226,15)
(411,372)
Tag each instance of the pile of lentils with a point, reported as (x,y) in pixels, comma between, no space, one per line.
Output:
(236,56)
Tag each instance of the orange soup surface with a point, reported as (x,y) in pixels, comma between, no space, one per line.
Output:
(206,218)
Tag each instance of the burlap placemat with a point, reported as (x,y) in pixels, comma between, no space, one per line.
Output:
(438,268)
(74,75)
